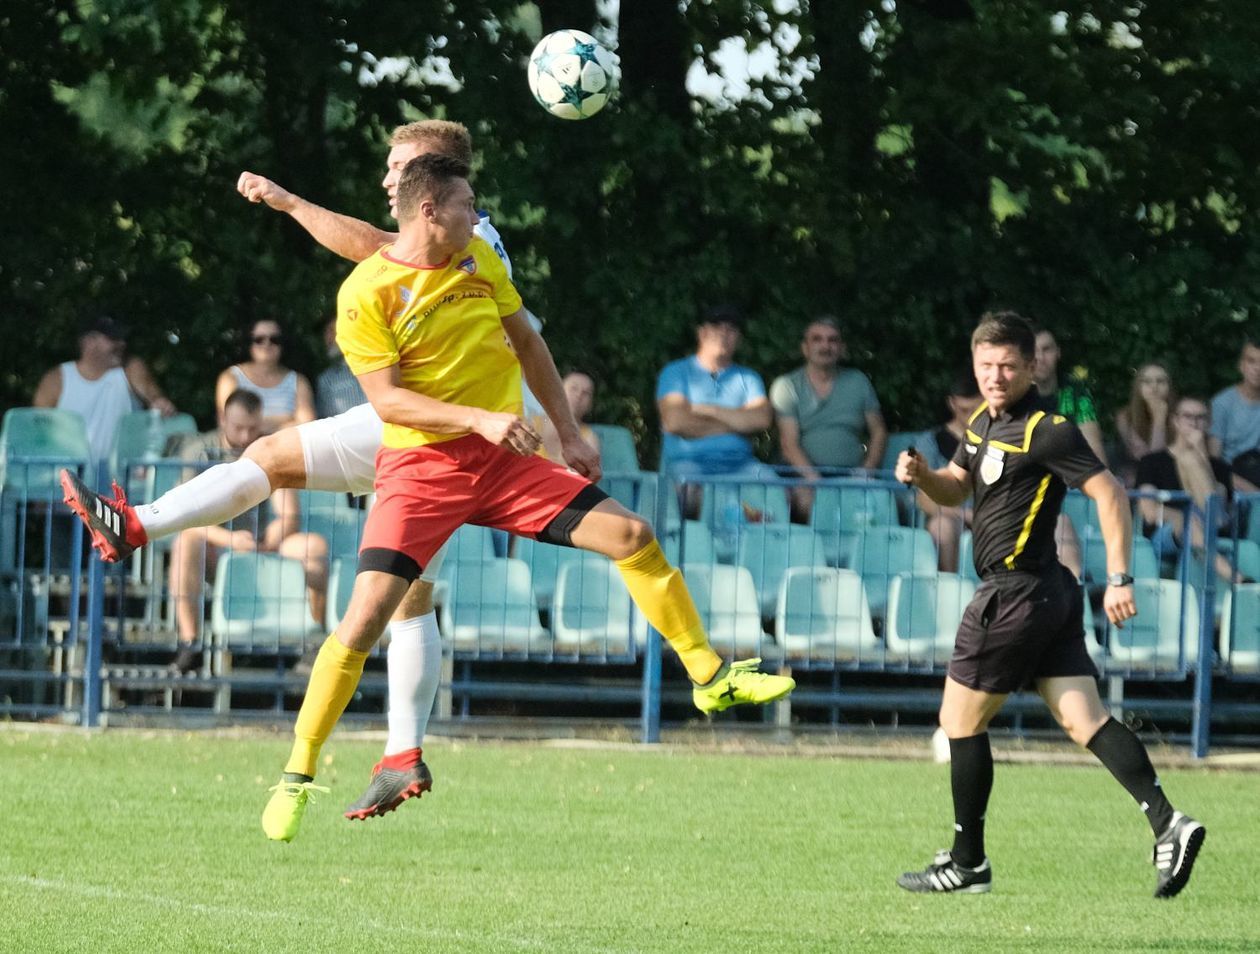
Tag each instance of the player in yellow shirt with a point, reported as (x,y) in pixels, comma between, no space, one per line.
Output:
(422,324)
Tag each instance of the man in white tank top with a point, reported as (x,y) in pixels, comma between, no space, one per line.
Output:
(102,385)
(335,454)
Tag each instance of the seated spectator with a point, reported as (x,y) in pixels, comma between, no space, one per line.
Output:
(1142,424)
(1185,465)
(102,385)
(286,395)
(336,389)
(710,406)
(1073,401)
(1236,420)
(579,388)
(828,415)
(195,551)
(937,448)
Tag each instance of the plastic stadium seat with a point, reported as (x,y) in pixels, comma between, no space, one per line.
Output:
(318,501)
(897,442)
(1243,555)
(769,549)
(880,553)
(727,504)
(923,614)
(492,610)
(1083,513)
(260,603)
(142,436)
(340,586)
(470,544)
(341,529)
(823,614)
(636,493)
(617,452)
(839,512)
(544,561)
(34,433)
(692,544)
(1240,628)
(592,612)
(1153,640)
(1143,564)
(727,602)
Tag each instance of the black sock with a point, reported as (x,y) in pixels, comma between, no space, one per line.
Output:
(296,777)
(1126,759)
(971,779)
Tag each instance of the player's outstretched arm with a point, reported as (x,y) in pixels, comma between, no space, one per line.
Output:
(949,486)
(398,405)
(544,380)
(349,237)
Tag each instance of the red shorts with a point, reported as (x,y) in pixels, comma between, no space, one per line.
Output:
(424,494)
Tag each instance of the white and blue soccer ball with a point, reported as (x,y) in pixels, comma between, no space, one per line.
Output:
(571,75)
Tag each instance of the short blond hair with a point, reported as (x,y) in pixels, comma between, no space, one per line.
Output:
(448,138)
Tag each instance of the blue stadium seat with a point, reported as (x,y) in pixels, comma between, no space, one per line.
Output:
(966,557)
(823,616)
(924,611)
(48,439)
(617,452)
(727,602)
(142,436)
(690,543)
(493,611)
(840,511)
(260,603)
(769,549)
(1143,563)
(880,553)
(897,442)
(340,585)
(1240,629)
(544,561)
(1083,513)
(1166,625)
(592,613)
(341,529)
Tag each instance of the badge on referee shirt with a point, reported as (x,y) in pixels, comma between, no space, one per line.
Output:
(991,466)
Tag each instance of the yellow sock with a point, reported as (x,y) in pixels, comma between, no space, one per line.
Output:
(334,677)
(661,594)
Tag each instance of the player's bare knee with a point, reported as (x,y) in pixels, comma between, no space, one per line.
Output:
(633,533)
(280,457)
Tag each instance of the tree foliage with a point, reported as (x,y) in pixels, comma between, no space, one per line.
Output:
(905,166)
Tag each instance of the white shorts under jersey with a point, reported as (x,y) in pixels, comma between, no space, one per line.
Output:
(340,452)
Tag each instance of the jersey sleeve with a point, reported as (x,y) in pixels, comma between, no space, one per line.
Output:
(362,333)
(671,380)
(961,457)
(1060,447)
(506,298)
(783,397)
(870,402)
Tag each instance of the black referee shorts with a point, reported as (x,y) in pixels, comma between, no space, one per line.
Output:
(1021,627)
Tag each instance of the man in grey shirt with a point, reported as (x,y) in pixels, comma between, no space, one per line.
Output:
(1236,418)
(828,415)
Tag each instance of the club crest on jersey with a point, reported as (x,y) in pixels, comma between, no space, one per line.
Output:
(468,265)
(991,465)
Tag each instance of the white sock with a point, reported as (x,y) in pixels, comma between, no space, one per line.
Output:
(212,497)
(415,670)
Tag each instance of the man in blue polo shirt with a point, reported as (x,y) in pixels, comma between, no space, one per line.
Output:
(710,406)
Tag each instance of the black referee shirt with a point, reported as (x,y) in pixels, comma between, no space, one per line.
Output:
(1021,464)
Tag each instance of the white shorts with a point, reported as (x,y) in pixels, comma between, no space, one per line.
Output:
(340,456)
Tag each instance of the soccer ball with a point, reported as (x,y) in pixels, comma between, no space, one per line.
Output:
(571,75)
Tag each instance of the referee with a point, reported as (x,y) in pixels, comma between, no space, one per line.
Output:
(1024,625)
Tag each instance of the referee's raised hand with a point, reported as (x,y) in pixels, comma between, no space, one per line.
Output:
(910,464)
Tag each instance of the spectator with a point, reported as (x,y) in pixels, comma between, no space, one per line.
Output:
(1186,464)
(102,385)
(1236,420)
(828,414)
(336,389)
(1072,399)
(937,448)
(579,389)
(1074,402)
(710,406)
(196,551)
(286,395)
(1143,423)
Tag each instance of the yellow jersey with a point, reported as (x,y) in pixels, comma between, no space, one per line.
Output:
(440,324)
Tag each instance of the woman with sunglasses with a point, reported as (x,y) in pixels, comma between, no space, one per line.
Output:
(286,395)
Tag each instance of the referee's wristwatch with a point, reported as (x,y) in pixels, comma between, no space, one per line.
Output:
(1119,579)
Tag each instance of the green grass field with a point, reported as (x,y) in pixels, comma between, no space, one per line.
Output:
(125,841)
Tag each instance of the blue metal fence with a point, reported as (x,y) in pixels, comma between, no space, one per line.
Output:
(855,592)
